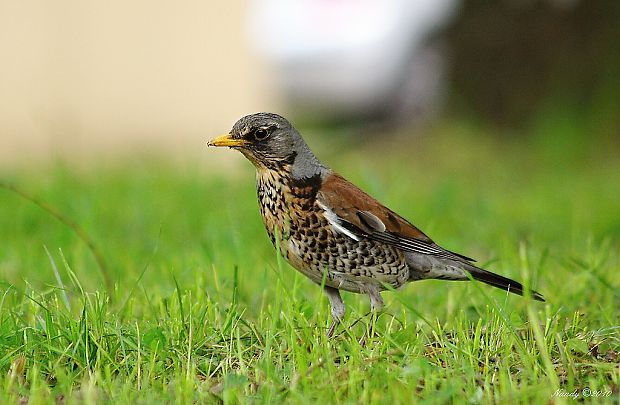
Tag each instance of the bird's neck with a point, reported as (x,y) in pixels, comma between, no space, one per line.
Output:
(285,176)
(295,178)
(304,163)
(286,185)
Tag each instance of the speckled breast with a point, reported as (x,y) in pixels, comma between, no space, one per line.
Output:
(296,225)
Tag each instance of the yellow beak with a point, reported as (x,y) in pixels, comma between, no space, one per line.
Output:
(226,140)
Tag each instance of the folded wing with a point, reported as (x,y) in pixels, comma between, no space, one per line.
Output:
(356,214)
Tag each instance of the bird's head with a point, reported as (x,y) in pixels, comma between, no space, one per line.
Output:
(270,141)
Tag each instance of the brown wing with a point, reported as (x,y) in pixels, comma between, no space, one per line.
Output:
(364,217)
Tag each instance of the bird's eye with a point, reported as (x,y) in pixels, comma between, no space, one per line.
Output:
(261,134)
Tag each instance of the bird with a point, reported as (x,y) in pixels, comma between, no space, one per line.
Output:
(333,232)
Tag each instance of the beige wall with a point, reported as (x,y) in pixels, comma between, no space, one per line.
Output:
(96,77)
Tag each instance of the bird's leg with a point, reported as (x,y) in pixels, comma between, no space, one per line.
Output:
(376,301)
(337,305)
(376,305)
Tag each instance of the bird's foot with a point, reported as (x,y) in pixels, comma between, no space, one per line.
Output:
(332,328)
(370,331)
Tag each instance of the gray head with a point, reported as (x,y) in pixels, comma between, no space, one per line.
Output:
(270,141)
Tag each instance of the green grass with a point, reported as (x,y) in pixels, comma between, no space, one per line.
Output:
(202,310)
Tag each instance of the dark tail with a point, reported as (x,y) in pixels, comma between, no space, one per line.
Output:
(500,282)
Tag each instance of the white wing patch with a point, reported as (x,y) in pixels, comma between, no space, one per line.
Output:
(371,220)
(334,221)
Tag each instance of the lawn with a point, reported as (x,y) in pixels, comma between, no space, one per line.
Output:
(189,303)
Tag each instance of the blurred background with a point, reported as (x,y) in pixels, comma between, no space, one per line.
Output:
(81,80)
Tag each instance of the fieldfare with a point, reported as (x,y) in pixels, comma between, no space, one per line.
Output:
(333,232)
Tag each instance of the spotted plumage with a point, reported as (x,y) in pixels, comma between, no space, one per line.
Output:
(296,220)
(333,232)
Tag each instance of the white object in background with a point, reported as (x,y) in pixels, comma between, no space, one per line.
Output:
(352,56)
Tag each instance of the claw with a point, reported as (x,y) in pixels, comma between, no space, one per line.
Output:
(332,328)
(337,308)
